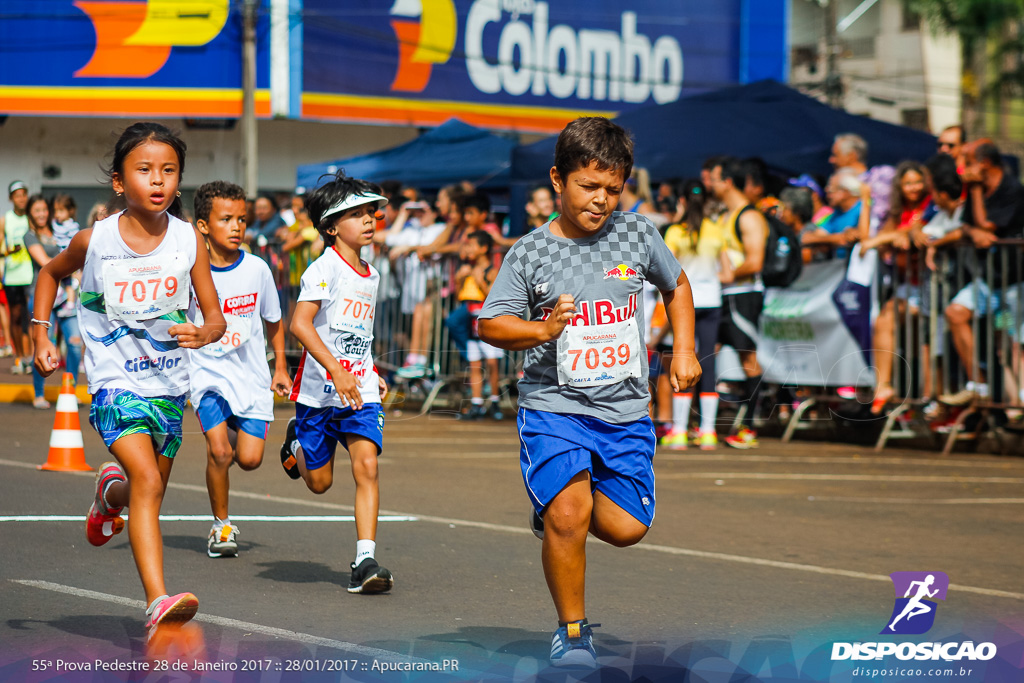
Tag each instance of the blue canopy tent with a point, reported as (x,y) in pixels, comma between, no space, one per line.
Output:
(452,152)
(791,131)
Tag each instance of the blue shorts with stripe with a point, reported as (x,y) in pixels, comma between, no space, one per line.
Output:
(556,447)
(214,409)
(319,430)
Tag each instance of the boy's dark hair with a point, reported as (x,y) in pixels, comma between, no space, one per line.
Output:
(757,171)
(942,169)
(270,198)
(477,200)
(330,193)
(593,139)
(206,193)
(139,134)
(483,238)
(987,151)
(711,162)
(733,169)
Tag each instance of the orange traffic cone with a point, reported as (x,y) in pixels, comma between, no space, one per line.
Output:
(67,452)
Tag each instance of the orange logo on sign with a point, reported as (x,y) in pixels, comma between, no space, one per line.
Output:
(134,39)
(426,31)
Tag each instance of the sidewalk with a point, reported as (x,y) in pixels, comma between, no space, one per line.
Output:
(18,388)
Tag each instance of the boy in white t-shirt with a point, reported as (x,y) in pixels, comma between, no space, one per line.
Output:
(337,390)
(232,390)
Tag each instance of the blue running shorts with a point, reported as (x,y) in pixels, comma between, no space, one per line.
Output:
(554,448)
(118,412)
(214,409)
(319,430)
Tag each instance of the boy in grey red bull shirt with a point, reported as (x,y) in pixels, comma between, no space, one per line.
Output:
(586,440)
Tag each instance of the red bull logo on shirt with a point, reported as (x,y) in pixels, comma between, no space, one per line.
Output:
(600,312)
(621,271)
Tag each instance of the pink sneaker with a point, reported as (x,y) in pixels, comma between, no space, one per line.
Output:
(102,523)
(174,609)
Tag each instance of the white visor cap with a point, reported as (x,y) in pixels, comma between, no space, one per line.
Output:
(353,200)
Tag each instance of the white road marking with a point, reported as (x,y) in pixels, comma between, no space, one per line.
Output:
(921,501)
(522,530)
(953,479)
(206,518)
(246,626)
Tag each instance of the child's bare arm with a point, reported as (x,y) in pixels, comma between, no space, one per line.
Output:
(189,336)
(515,334)
(685,369)
(281,382)
(63,264)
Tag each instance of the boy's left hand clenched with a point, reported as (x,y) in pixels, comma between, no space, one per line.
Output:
(685,371)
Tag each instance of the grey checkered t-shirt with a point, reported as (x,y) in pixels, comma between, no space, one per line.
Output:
(604,273)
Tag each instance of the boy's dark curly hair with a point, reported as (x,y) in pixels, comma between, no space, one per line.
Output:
(320,200)
(217,189)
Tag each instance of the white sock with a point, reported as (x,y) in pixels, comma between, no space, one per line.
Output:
(421,360)
(495,400)
(477,400)
(681,410)
(364,549)
(410,359)
(221,523)
(708,411)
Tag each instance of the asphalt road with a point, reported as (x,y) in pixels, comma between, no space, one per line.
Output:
(757,563)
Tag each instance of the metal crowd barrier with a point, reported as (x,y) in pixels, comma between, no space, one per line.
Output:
(443,384)
(923,339)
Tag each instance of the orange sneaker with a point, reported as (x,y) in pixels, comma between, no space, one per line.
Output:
(102,522)
(744,438)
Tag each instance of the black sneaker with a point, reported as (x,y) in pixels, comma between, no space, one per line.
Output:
(474,413)
(496,413)
(536,524)
(288,462)
(370,577)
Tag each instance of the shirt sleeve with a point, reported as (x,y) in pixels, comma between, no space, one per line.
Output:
(315,285)
(510,294)
(663,268)
(270,308)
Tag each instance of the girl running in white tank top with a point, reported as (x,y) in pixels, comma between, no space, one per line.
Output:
(138,269)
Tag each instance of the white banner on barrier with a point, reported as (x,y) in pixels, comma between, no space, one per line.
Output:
(817,331)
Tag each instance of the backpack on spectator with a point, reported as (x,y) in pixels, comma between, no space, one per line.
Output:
(783,261)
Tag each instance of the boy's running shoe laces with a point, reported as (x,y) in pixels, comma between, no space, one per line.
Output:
(223,541)
(369,577)
(288,448)
(102,522)
(174,609)
(573,645)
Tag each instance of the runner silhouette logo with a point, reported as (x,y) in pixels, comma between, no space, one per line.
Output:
(914,610)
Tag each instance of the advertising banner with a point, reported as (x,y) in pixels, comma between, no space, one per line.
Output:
(526,64)
(113,58)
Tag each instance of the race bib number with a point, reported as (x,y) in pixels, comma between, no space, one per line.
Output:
(238,332)
(354,311)
(595,355)
(145,288)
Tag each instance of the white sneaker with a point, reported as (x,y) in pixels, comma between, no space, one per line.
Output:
(223,541)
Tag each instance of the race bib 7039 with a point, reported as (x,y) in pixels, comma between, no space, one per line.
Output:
(594,355)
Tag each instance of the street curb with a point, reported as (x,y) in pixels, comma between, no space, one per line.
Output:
(23,393)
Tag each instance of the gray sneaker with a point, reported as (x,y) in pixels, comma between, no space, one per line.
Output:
(223,541)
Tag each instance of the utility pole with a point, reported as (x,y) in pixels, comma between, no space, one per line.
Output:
(833,82)
(250,157)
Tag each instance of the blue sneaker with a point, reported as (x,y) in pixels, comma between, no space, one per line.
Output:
(573,645)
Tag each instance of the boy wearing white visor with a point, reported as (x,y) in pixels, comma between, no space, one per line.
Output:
(337,390)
